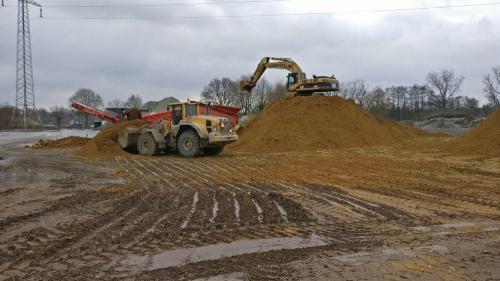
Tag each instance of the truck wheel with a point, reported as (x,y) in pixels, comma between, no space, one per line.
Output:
(211,151)
(188,144)
(146,145)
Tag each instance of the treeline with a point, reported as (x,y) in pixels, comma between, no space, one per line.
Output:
(440,96)
(59,116)
(226,91)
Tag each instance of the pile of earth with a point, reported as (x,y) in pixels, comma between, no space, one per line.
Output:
(106,142)
(482,140)
(68,142)
(154,106)
(317,123)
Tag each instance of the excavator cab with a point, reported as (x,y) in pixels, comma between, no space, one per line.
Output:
(293,78)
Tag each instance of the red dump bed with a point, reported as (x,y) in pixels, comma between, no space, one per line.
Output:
(157,116)
(229,112)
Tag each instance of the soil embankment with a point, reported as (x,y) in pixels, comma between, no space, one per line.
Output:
(483,140)
(318,123)
(68,142)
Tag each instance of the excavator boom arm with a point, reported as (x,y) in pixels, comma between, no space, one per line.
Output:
(269,63)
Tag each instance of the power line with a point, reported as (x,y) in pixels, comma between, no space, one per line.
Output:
(278,14)
(160,4)
(133,19)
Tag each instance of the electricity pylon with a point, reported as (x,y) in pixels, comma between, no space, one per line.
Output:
(25,108)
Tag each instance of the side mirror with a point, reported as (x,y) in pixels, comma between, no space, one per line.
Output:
(207,107)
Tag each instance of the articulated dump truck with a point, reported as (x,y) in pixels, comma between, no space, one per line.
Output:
(190,128)
(184,129)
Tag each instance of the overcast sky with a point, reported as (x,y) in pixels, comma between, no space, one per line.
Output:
(155,55)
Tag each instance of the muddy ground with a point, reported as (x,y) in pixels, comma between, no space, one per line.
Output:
(383,213)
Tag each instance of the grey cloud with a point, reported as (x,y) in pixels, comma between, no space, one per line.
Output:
(178,57)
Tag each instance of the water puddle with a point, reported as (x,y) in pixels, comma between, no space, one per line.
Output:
(236,210)
(457,225)
(191,213)
(237,276)
(215,208)
(180,257)
(260,216)
(281,210)
(354,259)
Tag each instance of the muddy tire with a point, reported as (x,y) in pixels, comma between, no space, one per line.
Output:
(188,144)
(146,145)
(212,151)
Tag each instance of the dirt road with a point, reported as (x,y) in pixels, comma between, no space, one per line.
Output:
(358,214)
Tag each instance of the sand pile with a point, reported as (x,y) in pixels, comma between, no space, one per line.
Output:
(482,140)
(106,142)
(68,142)
(317,123)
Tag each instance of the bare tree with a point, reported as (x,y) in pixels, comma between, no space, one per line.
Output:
(279,92)
(375,101)
(220,91)
(446,85)
(58,113)
(5,115)
(116,103)
(87,97)
(134,101)
(356,90)
(244,100)
(491,83)
(471,105)
(262,93)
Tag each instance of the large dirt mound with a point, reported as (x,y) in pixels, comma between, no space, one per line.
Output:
(317,123)
(68,142)
(105,144)
(482,140)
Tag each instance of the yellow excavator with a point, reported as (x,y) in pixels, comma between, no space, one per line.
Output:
(297,82)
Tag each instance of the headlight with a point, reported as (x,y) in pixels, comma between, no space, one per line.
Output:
(216,128)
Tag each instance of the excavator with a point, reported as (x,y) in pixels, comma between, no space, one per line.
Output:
(297,82)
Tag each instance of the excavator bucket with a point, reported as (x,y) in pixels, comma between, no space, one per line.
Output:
(246,86)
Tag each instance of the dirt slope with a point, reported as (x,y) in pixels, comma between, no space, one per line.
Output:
(317,123)
(482,140)
(105,143)
(61,143)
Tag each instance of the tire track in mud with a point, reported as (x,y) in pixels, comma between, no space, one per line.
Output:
(151,217)
(152,169)
(121,222)
(57,245)
(97,234)
(80,199)
(353,203)
(246,198)
(319,207)
(378,211)
(430,203)
(44,241)
(260,203)
(191,212)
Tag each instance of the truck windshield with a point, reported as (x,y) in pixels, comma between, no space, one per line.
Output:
(191,109)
